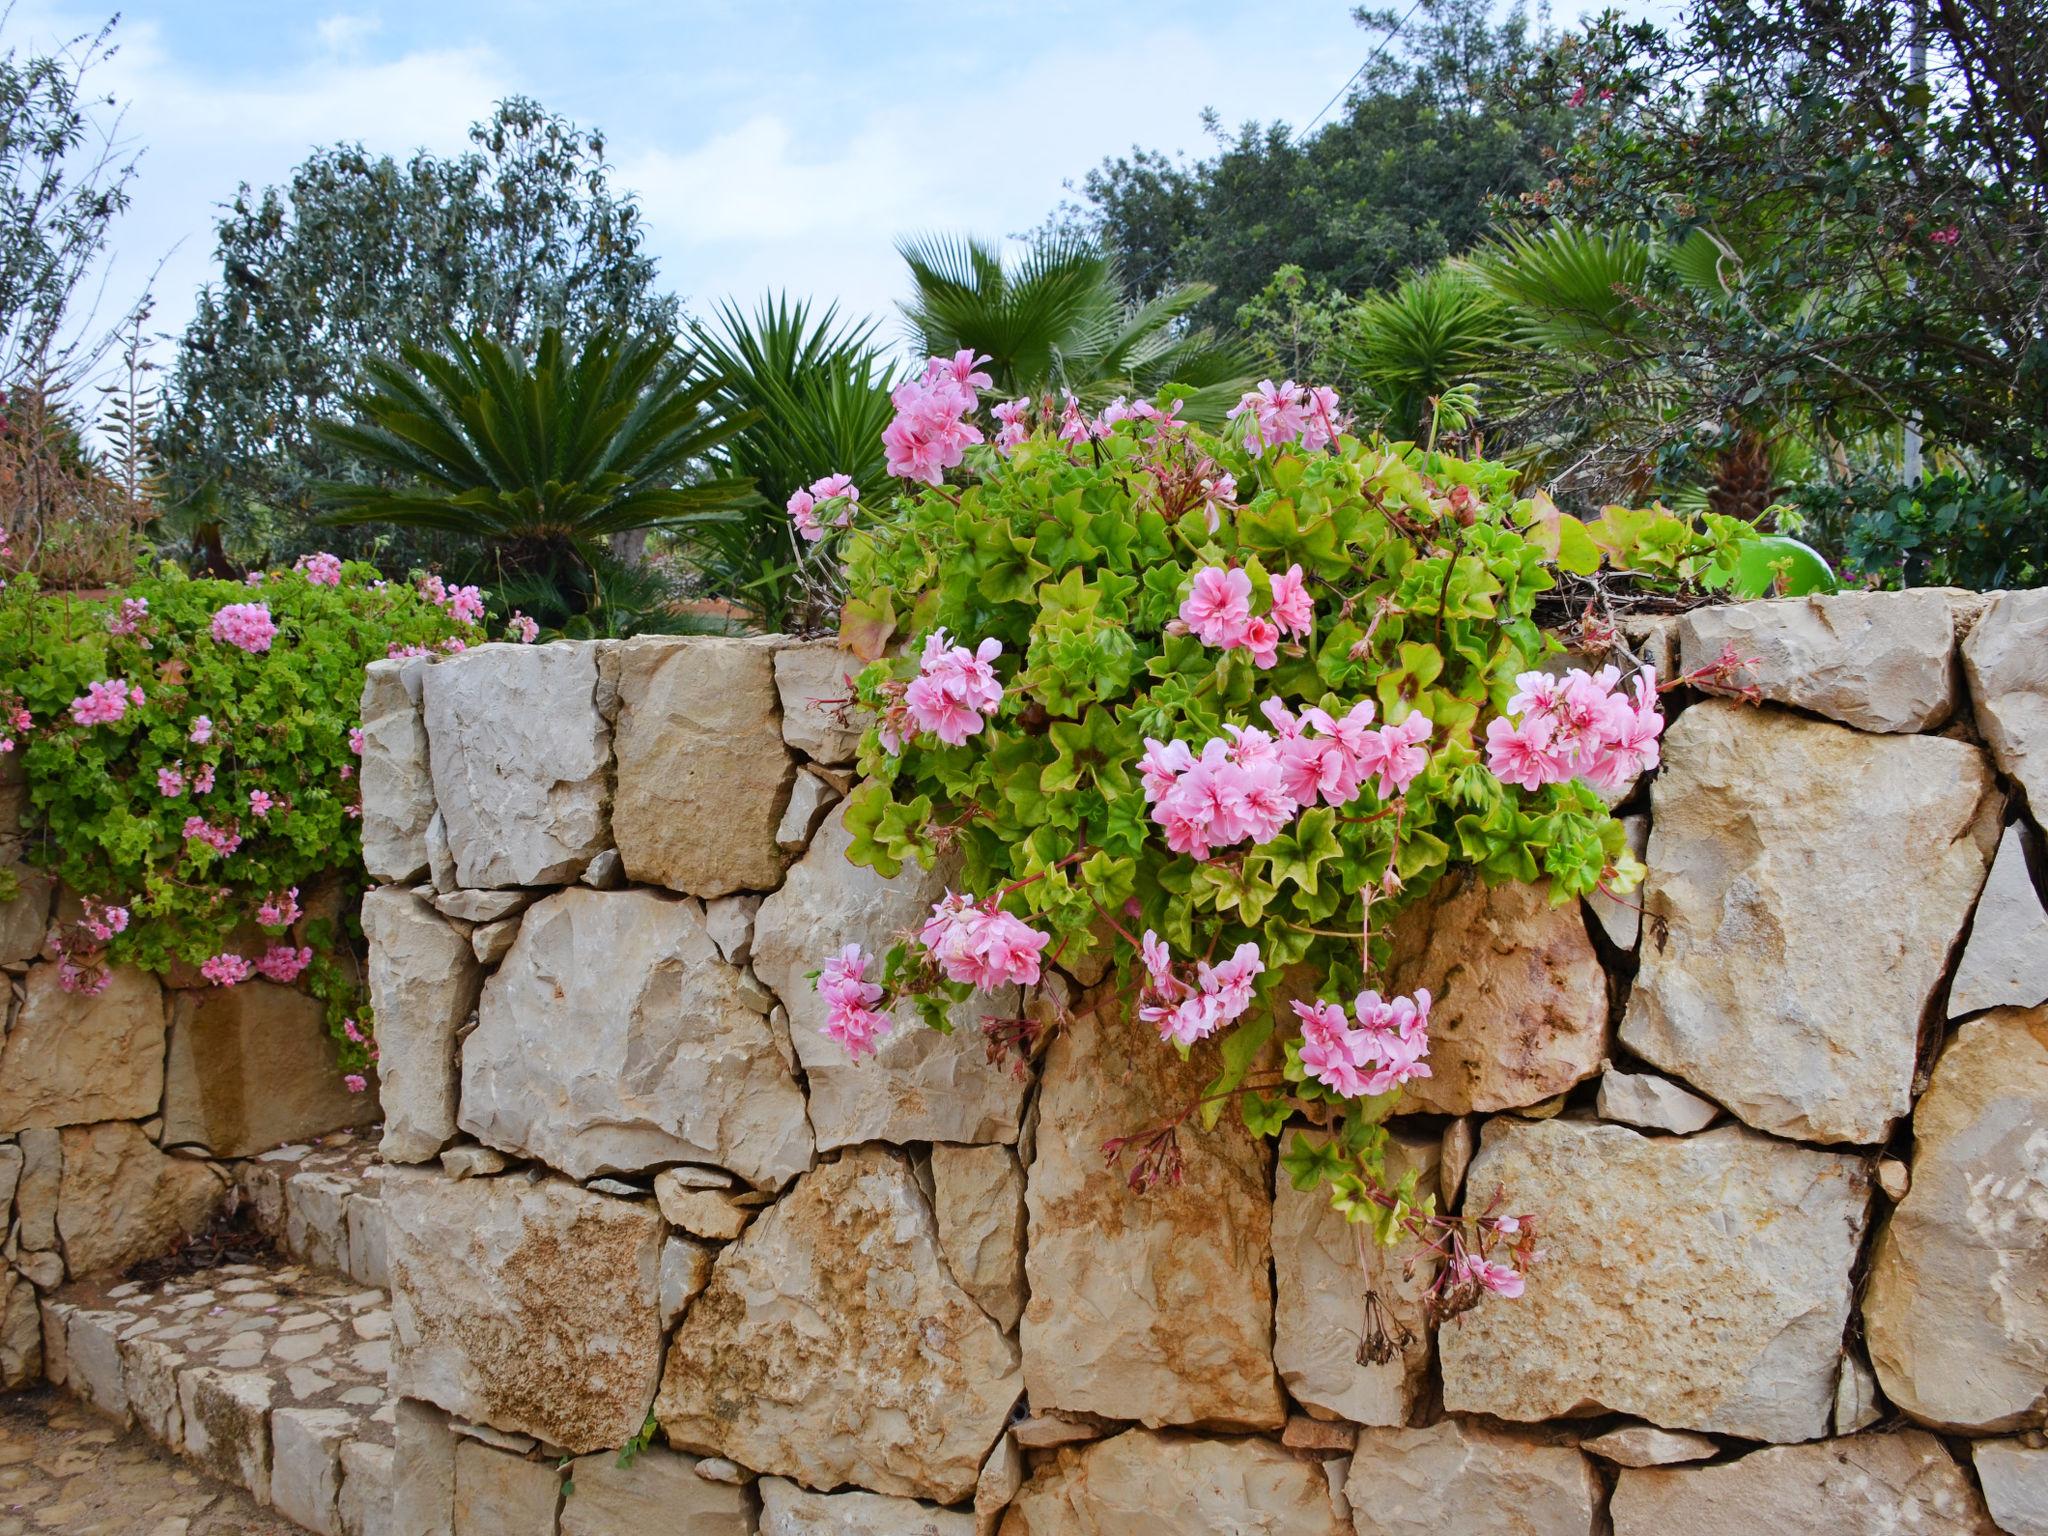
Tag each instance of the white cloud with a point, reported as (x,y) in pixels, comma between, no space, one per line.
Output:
(345,33)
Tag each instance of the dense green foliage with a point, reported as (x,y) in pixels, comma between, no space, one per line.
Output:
(358,256)
(1987,533)
(534,465)
(101,821)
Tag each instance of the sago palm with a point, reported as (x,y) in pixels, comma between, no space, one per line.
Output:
(542,461)
(813,394)
(1056,318)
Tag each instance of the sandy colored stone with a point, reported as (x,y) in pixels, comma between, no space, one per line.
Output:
(1698,1282)
(1645,1445)
(2015,1483)
(21,1331)
(1319,1310)
(531,1306)
(1519,1010)
(1880,661)
(1155,1306)
(305,1465)
(35,1197)
(2005,658)
(2005,962)
(491,942)
(707,1213)
(423,981)
(1621,917)
(1653,1103)
(1900,1485)
(227,1430)
(25,921)
(978,1198)
(1454,1157)
(670,1058)
(1146,1484)
(422,1471)
(520,757)
(832,1347)
(660,1491)
(70,1058)
(367,1489)
(1858,1403)
(1806,885)
(499,1494)
(811,679)
(703,776)
(1956,1309)
(920,1085)
(120,1199)
(396,777)
(788,1510)
(730,922)
(1002,1475)
(252,1066)
(482,906)
(1455,1476)
(810,797)
(685,1271)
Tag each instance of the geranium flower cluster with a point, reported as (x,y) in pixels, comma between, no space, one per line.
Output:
(1579,726)
(282,963)
(1381,1053)
(955,690)
(465,605)
(15,720)
(1218,611)
(1250,785)
(931,433)
(280,911)
(1184,1011)
(227,970)
(80,946)
(1274,414)
(246,626)
(971,942)
(127,619)
(105,702)
(836,495)
(222,840)
(322,570)
(523,629)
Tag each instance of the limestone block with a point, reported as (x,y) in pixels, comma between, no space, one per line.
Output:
(978,1198)
(2005,963)
(71,1059)
(1621,917)
(396,777)
(24,921)
(93,1359)
(2015,1481)
(530,1306)
(498,1494)
(227,1426)
(149,1379)
(660,1491)
(422,1471)
(685,1271)
(812,679)
(252,1066)
(305,1465)
(21,1331)
(788,1510)
(1806,884)
(1146,1484)
(704,777)
(670,1059)
(1463,1477)
(1653,1103)
(120,1199)
(520,757)
(367,1489)
(1645,1445)
(810,797)
(2006,661)
(423,984)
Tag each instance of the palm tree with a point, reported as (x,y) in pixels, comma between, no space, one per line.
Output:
(1057,319)
(813,394)
(1440,328)
(540,463)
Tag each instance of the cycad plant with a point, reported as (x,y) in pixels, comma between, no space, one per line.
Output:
(542,462)
(812,394)
(1057,319)
(1440,329)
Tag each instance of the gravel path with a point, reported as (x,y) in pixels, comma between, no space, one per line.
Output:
(65,1469)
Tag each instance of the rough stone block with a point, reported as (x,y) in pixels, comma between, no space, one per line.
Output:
(227,1426)
(660,1491)
(396,777)
(812,680)
(498,1494)
(423,983)
(305,1465)
(71,1059)
(252,1066)
(120,1199)
(1455,1476)
(1146,1484)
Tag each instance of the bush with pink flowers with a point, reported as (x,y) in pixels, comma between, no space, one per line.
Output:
(191,773)
(1224,704)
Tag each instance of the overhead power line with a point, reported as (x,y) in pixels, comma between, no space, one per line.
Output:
(1310,128)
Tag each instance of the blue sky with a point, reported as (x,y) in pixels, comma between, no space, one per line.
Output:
(777,145)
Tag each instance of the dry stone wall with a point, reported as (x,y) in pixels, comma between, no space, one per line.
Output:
(1785,1121)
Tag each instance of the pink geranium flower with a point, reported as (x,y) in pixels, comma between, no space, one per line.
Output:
(103,702)
(246,626)
(1218,607)
(227,970)
(955,688)
(1292,608)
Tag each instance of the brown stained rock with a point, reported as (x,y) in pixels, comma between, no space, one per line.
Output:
(703,776)
(660,1491)
(226,1422)
(1319,1313)
(673,1057)
(788,1510)
(832,1347)
(119,1199)
(520,757)
(24,921)
(1455,1476)
(1903,1485)
(534,1307)
(812,680)
(1699,1282)
(1519,1010)
(1147,1484)
(21,1332)
(1956,1310)
(71,1059)
(978,1198)
(2005,962)
(498,1494)
(1155,1306)
(253,1066)
(1807,883)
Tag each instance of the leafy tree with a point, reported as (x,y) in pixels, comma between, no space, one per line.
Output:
(1878,222)
(1058,319)
(812,394)
(362,254)
(535,465)
(1400,179)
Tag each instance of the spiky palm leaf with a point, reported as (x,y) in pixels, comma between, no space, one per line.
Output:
(1057,319)
(1569,286)
(1438,329)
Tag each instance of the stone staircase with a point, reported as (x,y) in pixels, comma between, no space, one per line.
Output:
(270,1376)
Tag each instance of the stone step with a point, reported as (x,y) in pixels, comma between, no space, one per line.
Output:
(320,1203)
(271,1377)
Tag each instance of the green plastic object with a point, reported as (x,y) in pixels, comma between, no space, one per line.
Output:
(1758,566)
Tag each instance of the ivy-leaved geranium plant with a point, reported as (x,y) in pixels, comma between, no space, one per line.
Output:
(189,749)
(1223,703)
